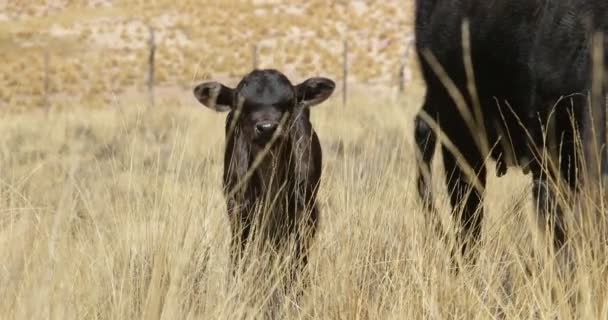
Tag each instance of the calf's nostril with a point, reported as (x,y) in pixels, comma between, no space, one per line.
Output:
(265,127)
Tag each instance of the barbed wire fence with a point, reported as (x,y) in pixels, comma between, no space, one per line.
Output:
(346,58)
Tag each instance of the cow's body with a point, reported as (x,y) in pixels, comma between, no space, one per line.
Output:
(520,73)
(561,65)
(272,160)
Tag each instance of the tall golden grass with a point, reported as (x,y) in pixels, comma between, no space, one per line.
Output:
(118,214)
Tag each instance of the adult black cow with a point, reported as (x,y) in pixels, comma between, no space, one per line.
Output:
(272,160)
(526,56)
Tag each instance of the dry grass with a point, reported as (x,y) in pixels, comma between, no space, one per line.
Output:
(113,214)
(117,213)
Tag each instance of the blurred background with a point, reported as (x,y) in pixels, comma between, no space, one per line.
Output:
(64,53)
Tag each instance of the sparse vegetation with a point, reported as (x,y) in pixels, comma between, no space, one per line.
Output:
(117,213)
(304,38)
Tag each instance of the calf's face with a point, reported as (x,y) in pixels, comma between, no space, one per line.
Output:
(264,101)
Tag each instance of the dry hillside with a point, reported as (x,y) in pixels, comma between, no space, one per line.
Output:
(96,51)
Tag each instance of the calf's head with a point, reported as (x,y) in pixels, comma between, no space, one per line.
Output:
(264,102)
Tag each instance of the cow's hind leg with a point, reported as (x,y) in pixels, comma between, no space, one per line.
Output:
(464,195)
(563,153)
(426,141)
(562,179)
(550,213)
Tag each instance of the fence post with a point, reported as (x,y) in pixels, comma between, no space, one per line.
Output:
(345,73)
(401,77)
(152,47)
(402,66)
(254,56)
(47,81)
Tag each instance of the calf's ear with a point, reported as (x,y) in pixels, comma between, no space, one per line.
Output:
(214,95)
(314,91)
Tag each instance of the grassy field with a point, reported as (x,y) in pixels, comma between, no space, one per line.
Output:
(110,210)
(118,214)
